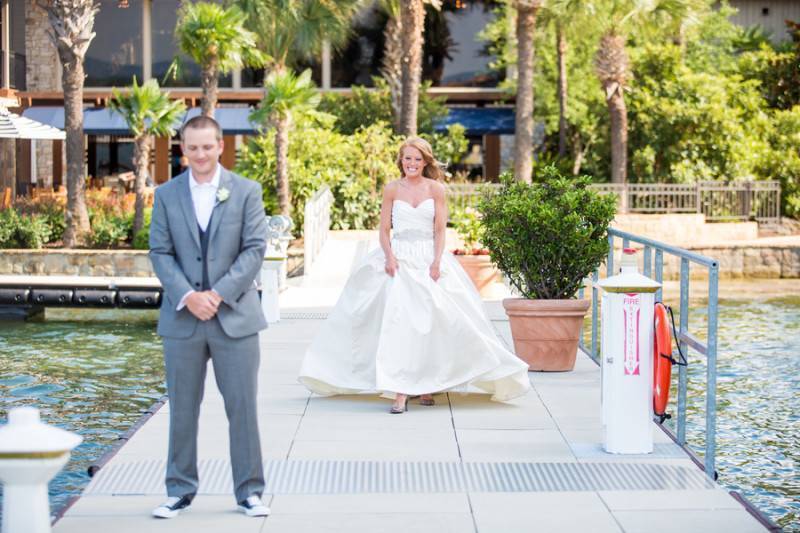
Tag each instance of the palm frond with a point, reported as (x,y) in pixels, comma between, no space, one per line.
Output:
(209,32)
(289,94)
(146,109)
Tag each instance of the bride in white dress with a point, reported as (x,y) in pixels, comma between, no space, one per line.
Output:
(409,320)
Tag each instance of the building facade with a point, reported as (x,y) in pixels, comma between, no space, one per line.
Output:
(136,38)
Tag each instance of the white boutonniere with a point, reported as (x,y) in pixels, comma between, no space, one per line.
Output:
(222,194)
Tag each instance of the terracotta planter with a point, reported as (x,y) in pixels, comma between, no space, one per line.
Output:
(480,270)
(546,332)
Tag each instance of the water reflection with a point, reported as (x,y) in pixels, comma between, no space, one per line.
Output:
(87,371)
(758,380)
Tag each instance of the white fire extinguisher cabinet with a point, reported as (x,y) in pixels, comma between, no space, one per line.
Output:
(627,358)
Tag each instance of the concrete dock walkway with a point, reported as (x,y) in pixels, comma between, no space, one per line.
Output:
(344,464)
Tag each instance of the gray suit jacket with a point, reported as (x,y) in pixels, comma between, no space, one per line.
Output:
(237,242)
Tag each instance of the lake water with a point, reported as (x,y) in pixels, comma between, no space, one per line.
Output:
(90,372)
(96,372)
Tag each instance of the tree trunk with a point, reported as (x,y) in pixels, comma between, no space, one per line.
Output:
(523,132)
(210,82)
(282,125)
(412,13)
(77,216)
(391,67)
(613,70)
(141,162)
(562,90)
(618,114)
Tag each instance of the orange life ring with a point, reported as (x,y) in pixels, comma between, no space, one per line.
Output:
(662,360)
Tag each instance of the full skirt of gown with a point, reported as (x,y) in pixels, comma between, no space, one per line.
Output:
(408,333)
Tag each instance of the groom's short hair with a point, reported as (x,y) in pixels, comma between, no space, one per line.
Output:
(201,122)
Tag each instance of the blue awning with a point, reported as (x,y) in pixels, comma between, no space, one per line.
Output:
(99,121)
(233,120)
(480,120)
(236,121)
(104,121)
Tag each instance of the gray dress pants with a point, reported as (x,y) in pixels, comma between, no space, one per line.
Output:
(235,363)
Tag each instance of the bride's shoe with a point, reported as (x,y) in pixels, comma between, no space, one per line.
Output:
(427,400)
(398,410)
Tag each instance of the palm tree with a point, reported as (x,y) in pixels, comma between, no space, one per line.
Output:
(287,96)
(612,64)
(554,13)
(215,37)
(523,129)
(71,23)
(392,61)
(288,31)
(561,52)
(412,22)
(148,112)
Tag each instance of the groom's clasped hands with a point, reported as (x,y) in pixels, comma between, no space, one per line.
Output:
(204,305)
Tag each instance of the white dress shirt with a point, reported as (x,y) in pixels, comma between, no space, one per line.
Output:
(204,197)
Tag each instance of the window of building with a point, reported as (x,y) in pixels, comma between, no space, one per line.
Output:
(453,55)
(115,55)
(360,60)
(109,154)
(164,17)
(16,52)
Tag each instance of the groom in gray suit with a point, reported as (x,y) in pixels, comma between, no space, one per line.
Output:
(207,243)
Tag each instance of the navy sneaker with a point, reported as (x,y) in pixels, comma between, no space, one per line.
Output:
(253,506)
(172,507)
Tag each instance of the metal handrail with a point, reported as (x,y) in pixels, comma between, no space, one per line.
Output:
(685,339)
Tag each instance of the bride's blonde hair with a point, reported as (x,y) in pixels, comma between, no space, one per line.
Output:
(433,168)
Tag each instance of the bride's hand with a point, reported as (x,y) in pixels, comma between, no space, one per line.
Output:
(391,266)
(435,272)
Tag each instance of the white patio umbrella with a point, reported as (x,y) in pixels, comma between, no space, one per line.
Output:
(13,126)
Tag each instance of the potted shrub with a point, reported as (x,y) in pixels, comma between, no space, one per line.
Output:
(474,259)
(546,238)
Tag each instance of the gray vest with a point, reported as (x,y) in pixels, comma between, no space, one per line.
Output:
(204,251)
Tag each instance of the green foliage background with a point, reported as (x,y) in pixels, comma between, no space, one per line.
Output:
(720,104)
(355,167)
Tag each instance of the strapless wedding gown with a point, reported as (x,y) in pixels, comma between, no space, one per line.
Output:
(409,333)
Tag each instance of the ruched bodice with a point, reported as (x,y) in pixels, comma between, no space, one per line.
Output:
(413,223)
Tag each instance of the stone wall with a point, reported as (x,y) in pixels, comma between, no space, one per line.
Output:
(43,73)
(747,261)
(116,263)
(685,229)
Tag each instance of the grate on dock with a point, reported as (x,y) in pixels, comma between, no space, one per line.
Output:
(303,316)
(354,477)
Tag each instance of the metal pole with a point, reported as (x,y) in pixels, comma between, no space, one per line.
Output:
(659,272)
(610,260)
(326,64)
(684,327)
(595,277)
(147,40)
(6,43)
(711,372)
(648,262)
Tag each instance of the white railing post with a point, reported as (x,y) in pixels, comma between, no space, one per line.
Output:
(316,226)
(273,269)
